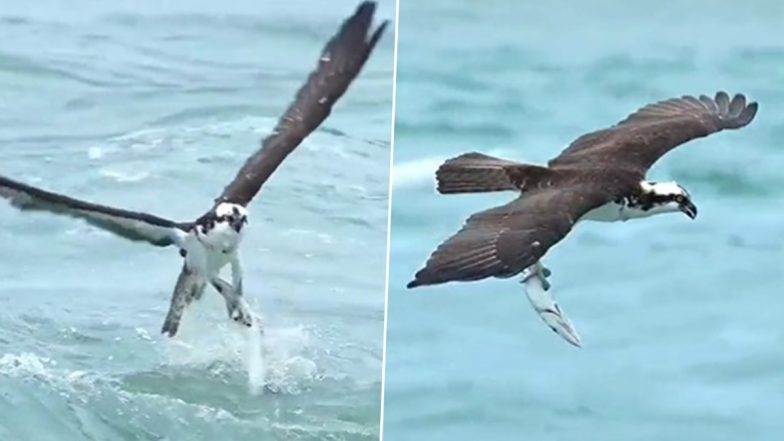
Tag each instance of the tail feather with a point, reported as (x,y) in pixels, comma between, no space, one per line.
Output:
(478,173)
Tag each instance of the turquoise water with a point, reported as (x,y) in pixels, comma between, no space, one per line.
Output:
(153,106)
(681,320)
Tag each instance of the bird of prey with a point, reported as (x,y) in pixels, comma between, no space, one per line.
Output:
(211,242)
(601,176)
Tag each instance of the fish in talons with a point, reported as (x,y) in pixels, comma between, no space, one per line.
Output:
(537,288)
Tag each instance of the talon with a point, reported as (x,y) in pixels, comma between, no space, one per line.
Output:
(243,321)
(546,272)
(527,275)
(241,317)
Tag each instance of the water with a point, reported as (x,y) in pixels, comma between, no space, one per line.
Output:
(153,106)
(680,320)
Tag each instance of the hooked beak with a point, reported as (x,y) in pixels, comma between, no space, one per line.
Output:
(239,223)
(689,209)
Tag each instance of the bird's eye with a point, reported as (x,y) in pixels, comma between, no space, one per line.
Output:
(679,199)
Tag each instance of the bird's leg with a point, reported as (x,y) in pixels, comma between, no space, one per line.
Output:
(236,275)
(235,305)
(537,289)
(540,271)
(189,287)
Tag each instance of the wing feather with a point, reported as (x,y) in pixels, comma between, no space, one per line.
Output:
(131,225)
(503,241)
(646,135)
(341,61)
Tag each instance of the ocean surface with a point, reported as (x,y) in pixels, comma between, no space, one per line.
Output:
(153,106)
(681,321)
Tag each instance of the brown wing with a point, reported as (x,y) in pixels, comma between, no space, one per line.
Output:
(505,240)
(642,138)
(128,224)
(340,62)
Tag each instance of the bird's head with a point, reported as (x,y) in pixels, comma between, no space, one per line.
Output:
(234,215)
(222,226)
(666,197)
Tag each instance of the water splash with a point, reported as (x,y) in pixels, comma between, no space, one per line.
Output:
(257,373)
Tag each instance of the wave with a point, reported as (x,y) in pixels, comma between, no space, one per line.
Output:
(124,176)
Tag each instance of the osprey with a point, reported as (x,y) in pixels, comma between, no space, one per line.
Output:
(601,176)
(211,242)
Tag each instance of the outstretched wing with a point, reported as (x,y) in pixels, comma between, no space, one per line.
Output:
(340,62)
(128,224)
(505,240)
(646,135)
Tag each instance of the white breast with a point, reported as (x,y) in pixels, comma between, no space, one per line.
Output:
(609,212)
(614,212)
(207,255)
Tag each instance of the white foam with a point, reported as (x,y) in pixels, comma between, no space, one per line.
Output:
(275,359)
(25,364)
(143,334)
(95,152)
(120,176)
(43,369)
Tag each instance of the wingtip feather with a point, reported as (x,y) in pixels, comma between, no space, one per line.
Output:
(355,34)
(735,112)
(377,34)
(362,17)
(748,114)
(365,9)
(737,104)
(723,101)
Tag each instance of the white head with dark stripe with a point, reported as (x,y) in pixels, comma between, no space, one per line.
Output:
(663,197)
(223,226)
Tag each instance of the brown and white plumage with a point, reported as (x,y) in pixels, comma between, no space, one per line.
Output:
(646,135)
(477,172)
(340,62)
(503,241)
(211,241)
(598,169)
(132,225)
